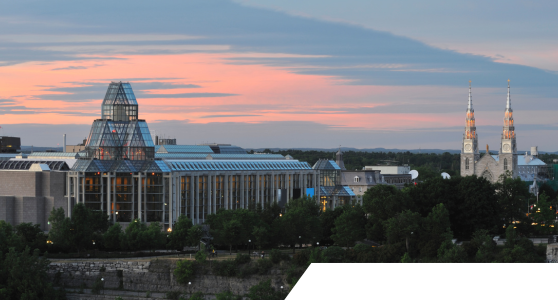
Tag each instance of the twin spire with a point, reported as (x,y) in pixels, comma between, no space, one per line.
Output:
(508,102)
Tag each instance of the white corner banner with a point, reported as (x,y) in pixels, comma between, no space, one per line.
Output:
(425,281)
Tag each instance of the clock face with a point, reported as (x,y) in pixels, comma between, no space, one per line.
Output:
(468,147)
(506,147)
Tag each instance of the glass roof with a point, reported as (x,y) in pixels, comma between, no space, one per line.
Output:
(324,164)
(209,165)
(183,149)
(58,165)
(219,156)
(54,154)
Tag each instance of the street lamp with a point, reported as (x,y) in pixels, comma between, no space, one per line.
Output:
(190,288)
(281,291)
(249,241)
(299,241)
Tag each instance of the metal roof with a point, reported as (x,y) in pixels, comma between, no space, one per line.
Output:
(121,166)
(219,156)
(236,165)
(183,149)
(521,161)
(59,165)
(54,154)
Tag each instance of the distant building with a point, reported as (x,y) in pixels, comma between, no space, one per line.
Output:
(391,170)
(9,144)
(527,167)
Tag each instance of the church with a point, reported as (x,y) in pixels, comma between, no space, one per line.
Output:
(489,166)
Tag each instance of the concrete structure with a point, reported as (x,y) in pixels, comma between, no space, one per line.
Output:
(30,195)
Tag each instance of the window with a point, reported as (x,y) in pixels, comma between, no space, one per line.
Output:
(466,164)
(357,179)
(360,189)
(505,163)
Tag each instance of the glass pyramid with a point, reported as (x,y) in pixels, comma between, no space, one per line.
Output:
(120,135)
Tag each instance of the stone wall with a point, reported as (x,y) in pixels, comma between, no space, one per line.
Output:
(155,276)
(552,253)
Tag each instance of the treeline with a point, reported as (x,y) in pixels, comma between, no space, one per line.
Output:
(428,164)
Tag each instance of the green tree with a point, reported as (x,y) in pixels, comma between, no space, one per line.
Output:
(178,238)
(264,291)
(184,271)
(195,233)
(402,227)
(260,234)
(24,276)
(381,203)
(435,230)
(32,235)
(113,237)
(299,224)
(135,237)
(61,228)
(327,222)
(451,253)
(544,215)
(155,236)
(513,195)
(350,226)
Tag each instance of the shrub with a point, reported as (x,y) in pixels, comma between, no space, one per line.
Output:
(174,295)
(301,258)
(97,286)
(334,254)
(227,296)
(294,273)
(263,290)
(226,268)
(197,296)
(263,266)
(185,270)
(103,269)
(201,256)
(277,256)
(242,258)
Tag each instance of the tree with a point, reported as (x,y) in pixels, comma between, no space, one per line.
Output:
(451,253)
(513,197)
(382,202)
(327,222)
(24,276)
(155,236)
(350,226)
(112,239)
(402,226)
(184,271)
(264,291)
(195,233)
(260,234)
(135,237)
(543,215)
(60,231)
(32,235)
(178,238)
(435,230)
(300,224)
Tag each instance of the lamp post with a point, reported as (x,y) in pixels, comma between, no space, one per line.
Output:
(190,288)
(300,241)
(281,292)
(249,241)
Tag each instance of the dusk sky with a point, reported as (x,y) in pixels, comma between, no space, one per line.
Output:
(284,73)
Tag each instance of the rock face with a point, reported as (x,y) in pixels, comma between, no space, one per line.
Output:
(154,276)
(552,253)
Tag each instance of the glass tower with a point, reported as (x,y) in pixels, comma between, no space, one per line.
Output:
(120,135)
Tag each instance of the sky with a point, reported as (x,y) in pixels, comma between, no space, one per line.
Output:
(270,73)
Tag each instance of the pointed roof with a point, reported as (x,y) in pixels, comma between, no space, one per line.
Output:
(508,102)
(470,104)
(120,93)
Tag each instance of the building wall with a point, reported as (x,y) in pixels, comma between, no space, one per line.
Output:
(29,197)
(390,169)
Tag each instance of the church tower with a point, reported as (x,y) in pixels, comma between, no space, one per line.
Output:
(469,148)
(508,147)
(339,159)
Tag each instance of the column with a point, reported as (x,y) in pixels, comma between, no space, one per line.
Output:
(140,194)
(109,196)
(242,190)
(197,195)
(226,191)
(69,190)
(191,198)
(214,210)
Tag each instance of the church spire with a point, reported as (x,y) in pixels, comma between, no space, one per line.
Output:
(470,141)
(508,103)
(470,105)
(508,131)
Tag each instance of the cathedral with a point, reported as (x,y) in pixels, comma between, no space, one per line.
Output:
(489,166)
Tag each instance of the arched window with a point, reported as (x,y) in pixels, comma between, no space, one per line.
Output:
(357,179)
(505,163)
(466,164)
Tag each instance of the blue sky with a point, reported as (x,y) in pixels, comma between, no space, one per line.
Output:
(285,73)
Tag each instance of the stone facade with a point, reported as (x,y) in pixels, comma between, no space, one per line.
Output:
(27,196)
(155,276)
